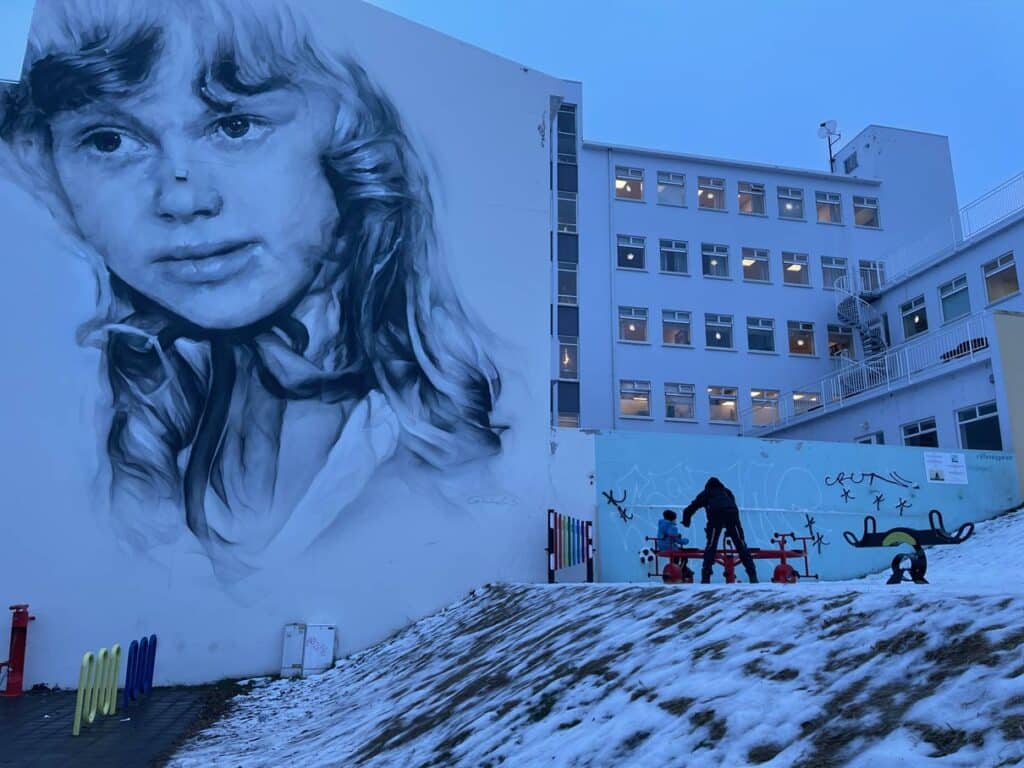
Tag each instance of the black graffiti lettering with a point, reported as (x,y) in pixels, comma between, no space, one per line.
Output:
(879,498)
(857,478)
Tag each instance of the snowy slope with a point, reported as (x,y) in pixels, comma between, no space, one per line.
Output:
(840,674)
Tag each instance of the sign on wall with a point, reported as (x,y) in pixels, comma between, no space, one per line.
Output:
(945,468)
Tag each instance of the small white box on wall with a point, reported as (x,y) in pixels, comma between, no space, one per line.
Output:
(308,649)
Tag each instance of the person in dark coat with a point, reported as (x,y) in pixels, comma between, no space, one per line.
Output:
(723,515)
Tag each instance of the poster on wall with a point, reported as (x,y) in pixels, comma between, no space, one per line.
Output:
(945,468)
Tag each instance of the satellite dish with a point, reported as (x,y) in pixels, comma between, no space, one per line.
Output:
(827,128)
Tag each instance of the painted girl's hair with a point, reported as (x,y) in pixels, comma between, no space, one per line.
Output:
(389,313)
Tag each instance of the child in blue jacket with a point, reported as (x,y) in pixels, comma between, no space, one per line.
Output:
(669,537)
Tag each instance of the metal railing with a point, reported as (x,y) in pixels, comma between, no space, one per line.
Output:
(895,368)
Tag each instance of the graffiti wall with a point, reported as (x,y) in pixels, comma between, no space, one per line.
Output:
(258,371)
(812,489)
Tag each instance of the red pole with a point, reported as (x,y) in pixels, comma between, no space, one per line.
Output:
(16,661)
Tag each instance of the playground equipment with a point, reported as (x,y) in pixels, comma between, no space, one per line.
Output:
(676,570)
(15,664)
(97,686)
(570,542)
(917,538)
(138,676)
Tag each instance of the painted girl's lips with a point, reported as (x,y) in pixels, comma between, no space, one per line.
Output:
(207,263)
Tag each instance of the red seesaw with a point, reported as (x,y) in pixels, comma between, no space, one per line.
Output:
(729,558)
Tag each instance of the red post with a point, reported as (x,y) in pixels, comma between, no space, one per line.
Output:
(16,661)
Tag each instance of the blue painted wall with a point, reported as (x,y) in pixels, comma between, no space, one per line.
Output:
(780,485)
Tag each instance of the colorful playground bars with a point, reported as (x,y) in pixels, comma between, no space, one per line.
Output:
(570,542)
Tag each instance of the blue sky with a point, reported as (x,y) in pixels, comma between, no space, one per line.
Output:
(752,80)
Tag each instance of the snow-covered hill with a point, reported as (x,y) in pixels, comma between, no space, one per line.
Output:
(813,675)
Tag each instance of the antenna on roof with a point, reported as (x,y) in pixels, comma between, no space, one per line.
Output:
(829,130)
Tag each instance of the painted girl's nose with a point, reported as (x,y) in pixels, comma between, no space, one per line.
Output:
(182,197)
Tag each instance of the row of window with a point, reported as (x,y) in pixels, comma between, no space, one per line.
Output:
(676,331)
(1000,277)
(750,197)
(978,426)
(680,402)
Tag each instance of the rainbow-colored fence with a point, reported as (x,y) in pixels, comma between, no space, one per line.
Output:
(570,542)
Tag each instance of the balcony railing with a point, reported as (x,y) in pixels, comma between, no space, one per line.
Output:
(892,369)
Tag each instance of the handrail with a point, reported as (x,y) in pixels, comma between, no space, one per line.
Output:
(893,368)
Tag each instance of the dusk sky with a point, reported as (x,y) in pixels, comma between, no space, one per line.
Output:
(752,81)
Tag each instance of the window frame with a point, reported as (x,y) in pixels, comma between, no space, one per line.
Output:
(905,432)
(760,399)
(637,387)
(916,305)
(674,247)
(723,394)
(567,267)
(850,163)
(948,290)
(628,242)
(757,256)
(678,314)
(671,179)
(978,416)
(638,315)
(875,268)
(716,187)
(793,258)
(755,190)
(713,251)
(628,175)
(715,320)
(998,266)
(834,267)
(867,204)
(795,194)
(681,391)
(566,226)
(564,343)
(834,201)
(838,329)
(872,438)
(800,327)
(761,324)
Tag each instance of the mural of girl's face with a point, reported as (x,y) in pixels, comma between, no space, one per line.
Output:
(219,212)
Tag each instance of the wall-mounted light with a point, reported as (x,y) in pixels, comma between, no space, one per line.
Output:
(795,267)
(748,262)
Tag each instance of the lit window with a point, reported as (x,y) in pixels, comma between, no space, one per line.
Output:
(632,324)
(915,317)
(567,292)
(872,274)
(567,133)
(567,212)
(751,198)
(631,252)
(761,334)
(765,406)
(671,188)
(566,404)
(1001,277)
(956,302)
(794,269)
(791,203)
(714,259)
(711,193)
(675,328)
(722,402)
(833,269)
(755,265)
(801,337)
(805,401)
(875,438)
(979,428)
(673,256)
(629,183)
(718,331)
(921,433)
(634,398)
(679,401)
(850,163)
(568,357)
(865,212)
(840,341)
(829,211)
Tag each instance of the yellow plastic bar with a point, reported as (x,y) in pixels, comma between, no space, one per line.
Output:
(81,700)
(97,686)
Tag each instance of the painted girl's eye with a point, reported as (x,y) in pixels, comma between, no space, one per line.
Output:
(105,141)
(235,127)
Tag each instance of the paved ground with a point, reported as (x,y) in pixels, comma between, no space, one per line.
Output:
(35,729)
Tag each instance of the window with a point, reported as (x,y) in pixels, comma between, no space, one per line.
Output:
(840,341)
(805,401)
(629,183)
(915,317)
(632,324)
(760,334)
(921,433)
(568,247)
(850,163)
(875,438)
(673,256)
(671,188)
(711,193)
(722,401)
(794,269)
(829,211)
(765,408)
(567,403)
(675,328)
(791,203)
(631,252)
(567,212)
(568,357)
(567,282)
(714,259)
(1000,277)
(801,337)
(751,198)
(634,398)
(755,265)
(955,300)
(865,212)
(568,321)
(833,269)
(679,401)
(872,274)
(567,133)
(718,331)
(979,428)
